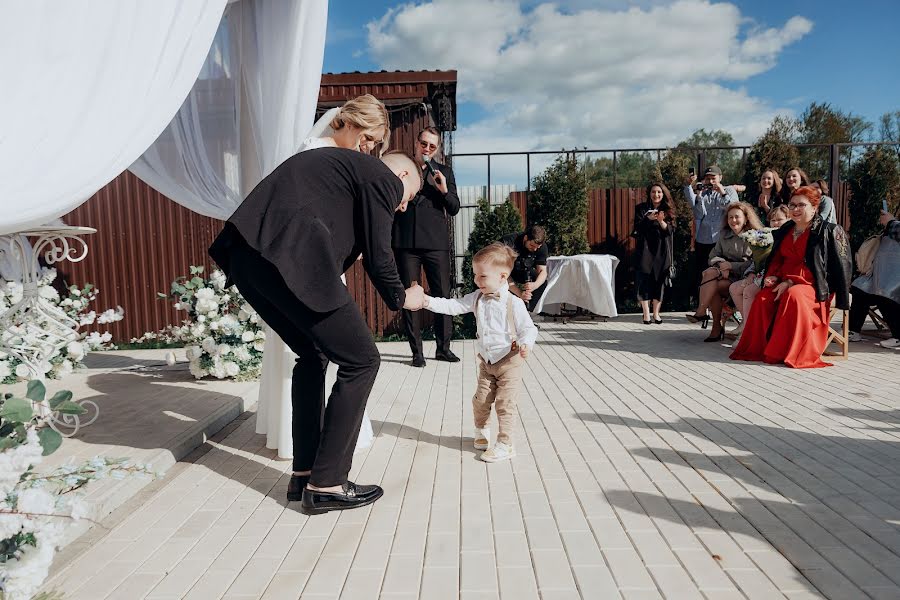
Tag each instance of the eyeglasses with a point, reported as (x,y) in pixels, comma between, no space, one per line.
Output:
(800,206)
(426,146)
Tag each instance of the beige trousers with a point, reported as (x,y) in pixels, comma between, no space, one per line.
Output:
(498,385)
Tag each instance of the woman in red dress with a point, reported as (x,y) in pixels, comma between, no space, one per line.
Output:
(809,265)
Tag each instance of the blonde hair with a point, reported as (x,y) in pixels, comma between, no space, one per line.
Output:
(497,254)
(751,220)
(367,113)
(781,209)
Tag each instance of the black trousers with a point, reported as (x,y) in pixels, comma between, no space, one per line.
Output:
(859,310)
(437,272)
(535,294)
(701,262)
(324,438)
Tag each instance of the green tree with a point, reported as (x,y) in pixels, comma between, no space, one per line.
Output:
(727,160)
(489,225)
(873,178)
(559,202)
(773,150)
(821,123)
(889,129)
(632,169)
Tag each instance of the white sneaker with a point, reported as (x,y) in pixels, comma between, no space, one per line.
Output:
(855,336)
(890,343)
(499,452)
(482,438)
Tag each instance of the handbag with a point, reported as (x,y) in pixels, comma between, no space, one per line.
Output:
(865,256)
(673,271)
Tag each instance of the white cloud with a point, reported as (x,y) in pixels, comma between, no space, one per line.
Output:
(608,74)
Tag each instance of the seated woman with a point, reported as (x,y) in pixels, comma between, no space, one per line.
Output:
(880,286)
(653,248)
(809,265)
(744,291)
(729,260)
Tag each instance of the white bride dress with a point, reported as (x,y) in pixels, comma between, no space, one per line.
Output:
(274,411)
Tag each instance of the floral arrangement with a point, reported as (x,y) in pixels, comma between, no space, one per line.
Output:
(223,335)
(760,241)
(759,238)
(36,507)
(75,303)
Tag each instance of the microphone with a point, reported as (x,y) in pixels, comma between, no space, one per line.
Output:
(428,166)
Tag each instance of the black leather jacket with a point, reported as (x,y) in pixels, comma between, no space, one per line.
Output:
(827,256)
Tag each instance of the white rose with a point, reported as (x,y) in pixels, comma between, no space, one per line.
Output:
(75,350)
(223,349)
(48,293)
(248,336)
(231,369)
(201,319)
(259,346)
(5,371)
(22,371)
(208,345)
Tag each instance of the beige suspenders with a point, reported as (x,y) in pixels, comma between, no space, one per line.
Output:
(510,321)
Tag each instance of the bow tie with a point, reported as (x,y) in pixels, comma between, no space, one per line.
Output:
(491,295)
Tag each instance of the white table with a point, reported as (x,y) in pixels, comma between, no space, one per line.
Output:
(585,280)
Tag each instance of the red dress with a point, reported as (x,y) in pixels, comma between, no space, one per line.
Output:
(800,327)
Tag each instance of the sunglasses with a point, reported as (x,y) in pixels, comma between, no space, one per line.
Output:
(426,146)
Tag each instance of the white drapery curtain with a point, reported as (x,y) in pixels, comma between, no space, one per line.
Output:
(85,88)
(248,111)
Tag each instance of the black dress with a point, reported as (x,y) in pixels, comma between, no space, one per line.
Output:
(653,254)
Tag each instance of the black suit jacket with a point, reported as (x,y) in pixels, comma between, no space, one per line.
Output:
(424,224)
(312,216)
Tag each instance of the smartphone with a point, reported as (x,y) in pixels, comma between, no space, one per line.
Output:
(884,205)
(652,211)
(691,171)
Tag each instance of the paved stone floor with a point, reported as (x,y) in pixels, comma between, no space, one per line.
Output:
(649,466)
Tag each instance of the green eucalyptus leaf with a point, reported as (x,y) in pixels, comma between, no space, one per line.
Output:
(50,440)
(60,397)
(7,443)
(36,391)
(197,282)
(71,408)
(17,409)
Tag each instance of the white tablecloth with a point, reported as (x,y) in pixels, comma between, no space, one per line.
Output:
(585,280)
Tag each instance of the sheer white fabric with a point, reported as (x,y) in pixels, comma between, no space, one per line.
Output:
(273,409)
(249,109)
(87,85)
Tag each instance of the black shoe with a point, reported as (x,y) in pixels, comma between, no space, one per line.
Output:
(418,361)
(657,321)
(295,487)
(446,356)
(646,322)
(353,496)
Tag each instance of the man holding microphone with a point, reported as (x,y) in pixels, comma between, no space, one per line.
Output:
(421,238)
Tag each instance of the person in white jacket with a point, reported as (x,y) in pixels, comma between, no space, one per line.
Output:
(506,334)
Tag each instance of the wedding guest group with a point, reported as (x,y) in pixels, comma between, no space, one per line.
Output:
(529,274)
(421,239)
(653,227)
(506,335)
(808,268)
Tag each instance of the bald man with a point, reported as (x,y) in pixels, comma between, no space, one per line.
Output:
(285,248)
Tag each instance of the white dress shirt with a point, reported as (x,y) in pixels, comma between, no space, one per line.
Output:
(494,341)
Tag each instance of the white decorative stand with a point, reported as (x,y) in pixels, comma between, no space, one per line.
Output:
(35,318)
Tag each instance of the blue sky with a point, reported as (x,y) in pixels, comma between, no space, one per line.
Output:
(738,63)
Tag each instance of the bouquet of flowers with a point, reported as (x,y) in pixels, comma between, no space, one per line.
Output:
(35,507)
(223,335)
(760,241)
(74,303)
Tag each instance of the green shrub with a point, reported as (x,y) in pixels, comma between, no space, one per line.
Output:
(873,178)
(559,202)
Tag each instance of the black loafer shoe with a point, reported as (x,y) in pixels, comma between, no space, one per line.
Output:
(353,496)
(447,356)
(295,487)
(418,361)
